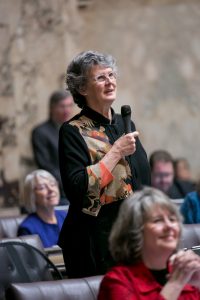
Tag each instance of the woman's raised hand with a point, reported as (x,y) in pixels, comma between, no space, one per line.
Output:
(126,144)
(186,267)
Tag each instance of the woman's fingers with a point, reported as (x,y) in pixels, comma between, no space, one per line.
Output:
(183,257)
(126,144)
(129,143)
(184,264)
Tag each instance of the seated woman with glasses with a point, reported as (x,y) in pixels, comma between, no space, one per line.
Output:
(41,195)
(143,242)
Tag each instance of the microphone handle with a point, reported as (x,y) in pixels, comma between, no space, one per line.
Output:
(127,123)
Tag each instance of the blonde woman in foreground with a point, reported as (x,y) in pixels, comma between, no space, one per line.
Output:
(144,241)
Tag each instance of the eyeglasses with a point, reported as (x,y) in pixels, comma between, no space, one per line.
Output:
(101,78)
(160,175)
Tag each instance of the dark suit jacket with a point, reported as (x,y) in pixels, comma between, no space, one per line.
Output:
(180,189)
(45,149)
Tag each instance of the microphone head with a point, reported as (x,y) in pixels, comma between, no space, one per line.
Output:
(125,110)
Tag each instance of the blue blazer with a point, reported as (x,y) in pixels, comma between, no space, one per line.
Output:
(190,208)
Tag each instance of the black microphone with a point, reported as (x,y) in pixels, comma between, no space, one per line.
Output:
(126,116)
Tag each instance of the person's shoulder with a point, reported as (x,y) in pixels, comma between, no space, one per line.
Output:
(31,216)
(29,220)
(117,273)
(71,125)
(42,127)
(192,196)
(187,186)
(120,271)
(61,213)
(76,117)
(128,275)
(180,189)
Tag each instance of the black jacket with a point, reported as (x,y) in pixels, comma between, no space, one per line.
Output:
(80,230)
(180,189)
(45,149)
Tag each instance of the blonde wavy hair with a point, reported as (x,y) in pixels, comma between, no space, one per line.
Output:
(126,237)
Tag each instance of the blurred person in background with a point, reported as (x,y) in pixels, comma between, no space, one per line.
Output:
(143,242)
(45,136)
(163,176)
(41,195)
(182,169)
(100,165)
(190,208)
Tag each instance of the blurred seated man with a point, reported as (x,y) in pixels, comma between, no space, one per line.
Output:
(45,136)
(162,176)
(190,208)
(41,195)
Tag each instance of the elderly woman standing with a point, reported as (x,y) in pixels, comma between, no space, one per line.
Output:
(41,195)
(143,242)
(100,165)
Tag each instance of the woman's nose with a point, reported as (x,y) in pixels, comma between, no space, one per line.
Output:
(49,187)
(108,80)
(168,223)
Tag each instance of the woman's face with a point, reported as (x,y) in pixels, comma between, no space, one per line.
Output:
(161,232)
(101,86)
(46,192)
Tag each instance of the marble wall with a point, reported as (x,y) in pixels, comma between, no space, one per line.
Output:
(157,47)
(37,41)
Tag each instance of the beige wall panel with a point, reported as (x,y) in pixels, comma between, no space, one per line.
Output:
(157,47)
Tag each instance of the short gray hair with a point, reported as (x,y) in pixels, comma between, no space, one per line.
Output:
(77,72)
(29,185)
(126,237)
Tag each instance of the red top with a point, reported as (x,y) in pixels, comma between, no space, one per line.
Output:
(137,283)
